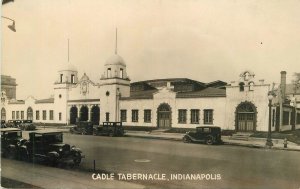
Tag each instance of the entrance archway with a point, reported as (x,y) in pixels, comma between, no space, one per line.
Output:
(95,115)
(3,114)
(73,115)
(246,117)
(84,113)
(164,116)
(29,113)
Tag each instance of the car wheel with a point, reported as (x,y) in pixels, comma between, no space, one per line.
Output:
(24,155)
(83,132)
(187,139)
(77,158)
(10,153)
(209,141)
(52,162)
(111,134)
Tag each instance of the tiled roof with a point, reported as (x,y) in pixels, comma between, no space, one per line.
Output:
(16,102)
(208,92)
(48,100)
(147,94)
(84,100)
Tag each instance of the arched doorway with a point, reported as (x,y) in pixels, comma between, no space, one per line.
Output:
(3,114)
(246,117)
(164,116)
(95,115)
(29,113)
(84,113)
(73,115)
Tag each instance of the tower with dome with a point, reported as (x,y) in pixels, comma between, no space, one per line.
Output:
(67,77)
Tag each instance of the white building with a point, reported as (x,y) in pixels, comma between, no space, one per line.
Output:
(163,103)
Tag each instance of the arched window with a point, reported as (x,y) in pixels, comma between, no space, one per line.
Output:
(61,78)
(251,85)
(72,78)
(108,72)
(242,86)
(29,113)
(121,73)
(3,114)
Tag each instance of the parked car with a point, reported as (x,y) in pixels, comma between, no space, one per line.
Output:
(82,127)
(11,140)
(48,146)
(205,134)
(110,129)
(3,124)
(27,125)
(13,123)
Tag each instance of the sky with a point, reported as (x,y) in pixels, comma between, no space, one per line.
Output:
(202,40)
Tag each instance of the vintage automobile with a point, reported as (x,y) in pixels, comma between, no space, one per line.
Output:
(205,134)
(3,124)
(48,146)
(11,140)
(110,129)
(13,123)
(27,125)
(83,128)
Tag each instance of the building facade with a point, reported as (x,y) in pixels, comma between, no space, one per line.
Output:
(8,86)
(241,105)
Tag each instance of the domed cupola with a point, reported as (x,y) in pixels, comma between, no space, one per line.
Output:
(69,67)
(115,67)
(115,60)
(68,74)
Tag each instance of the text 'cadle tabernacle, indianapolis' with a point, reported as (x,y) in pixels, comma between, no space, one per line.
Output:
(155,176)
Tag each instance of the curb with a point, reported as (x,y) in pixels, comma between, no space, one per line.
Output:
(155,137)
(225,143)
(262,147)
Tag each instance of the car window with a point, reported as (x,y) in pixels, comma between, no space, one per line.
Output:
(199,130)
(206,130)
(14,134)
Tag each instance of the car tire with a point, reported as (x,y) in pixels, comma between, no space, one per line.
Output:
(52,162)
(209,140)
(10,153)
(186,139)
(77,158)
(24,155)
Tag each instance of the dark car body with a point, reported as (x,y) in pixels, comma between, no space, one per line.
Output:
(11,140)
(82,127)
(3,124)
(48,146)
(13,123)
(110,129)
(205,134)
(27,125)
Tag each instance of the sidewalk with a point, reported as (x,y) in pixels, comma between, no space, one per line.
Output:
(252,142)
(50,177)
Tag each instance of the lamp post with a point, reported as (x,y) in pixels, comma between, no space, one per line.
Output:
(12,27)
(269,142)
(293,103)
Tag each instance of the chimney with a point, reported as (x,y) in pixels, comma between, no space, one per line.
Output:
(283,84)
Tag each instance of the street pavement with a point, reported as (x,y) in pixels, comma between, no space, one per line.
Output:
(237,166)
(228,140)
